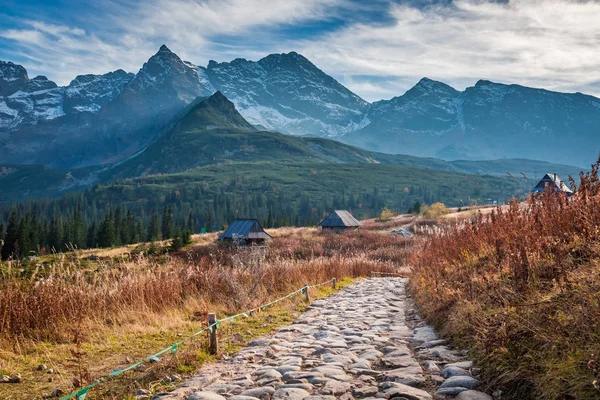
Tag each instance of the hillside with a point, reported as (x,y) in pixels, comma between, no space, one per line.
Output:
(211,131)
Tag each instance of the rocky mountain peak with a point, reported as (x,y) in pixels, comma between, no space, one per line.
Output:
(428,86)
(12,78)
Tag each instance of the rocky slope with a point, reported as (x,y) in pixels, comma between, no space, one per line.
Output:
(288,93)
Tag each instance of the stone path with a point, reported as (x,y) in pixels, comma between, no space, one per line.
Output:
(364,342)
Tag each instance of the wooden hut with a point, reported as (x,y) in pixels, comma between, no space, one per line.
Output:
(339,221)
(244,231)
(552,182)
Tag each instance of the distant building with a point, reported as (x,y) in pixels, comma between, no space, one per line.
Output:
(339,221)
(552,182)
(244,231)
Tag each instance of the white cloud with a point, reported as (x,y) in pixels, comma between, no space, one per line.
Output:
(542,43)
(549,43)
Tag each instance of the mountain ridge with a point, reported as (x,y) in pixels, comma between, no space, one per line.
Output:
(101,119)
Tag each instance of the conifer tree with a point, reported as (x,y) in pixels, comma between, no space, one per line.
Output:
(106,232)
(167,223)
(92,233)
(10,246)
(153,228)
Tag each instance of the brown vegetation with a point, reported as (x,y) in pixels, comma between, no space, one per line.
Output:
(127,302)
(520,286)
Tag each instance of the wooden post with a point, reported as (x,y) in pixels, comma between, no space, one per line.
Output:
(334,282)
(213,343)
(306,293)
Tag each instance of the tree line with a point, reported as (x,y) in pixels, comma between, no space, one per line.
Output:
(114,215)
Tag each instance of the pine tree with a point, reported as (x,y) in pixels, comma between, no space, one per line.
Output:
(92,233)
(78,234)
(106,232)
(167,223)
(10,246)
(153,228)
(23,236)
(190,223)
(1,232)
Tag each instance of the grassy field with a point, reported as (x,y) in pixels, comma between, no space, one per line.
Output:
(87,313)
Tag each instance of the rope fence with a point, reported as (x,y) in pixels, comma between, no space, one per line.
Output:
(213,326)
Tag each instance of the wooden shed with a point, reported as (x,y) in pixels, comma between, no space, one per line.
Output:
(244,231)
(552,182)
(339,221)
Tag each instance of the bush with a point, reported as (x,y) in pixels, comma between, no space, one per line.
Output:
(435,211)
(385,215)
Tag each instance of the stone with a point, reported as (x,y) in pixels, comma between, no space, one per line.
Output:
(290,394)
(473,395)
(142,392)
(264,392)
(335,388)
(329,371)
(16,378)
(4,379)
(408,392)
(461,364)
(431,366)
(41,367)
(460,381)
(270,374)
(241,397)
(306,386)
(365,391)
(57,393)
(447,372)
(205,396)
(450,391)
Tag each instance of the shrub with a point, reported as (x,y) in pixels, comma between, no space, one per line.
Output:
(385,215)
(435,211)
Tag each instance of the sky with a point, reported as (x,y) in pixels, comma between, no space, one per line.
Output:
(377,48)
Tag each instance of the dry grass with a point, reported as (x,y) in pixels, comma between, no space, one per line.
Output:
(520,285)
(128,304)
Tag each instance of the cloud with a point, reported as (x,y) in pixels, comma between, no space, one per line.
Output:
(549,43)
(378,49)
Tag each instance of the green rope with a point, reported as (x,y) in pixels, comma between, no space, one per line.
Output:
(81,393)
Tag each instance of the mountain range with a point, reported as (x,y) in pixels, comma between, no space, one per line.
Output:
(105,119)
(211,135)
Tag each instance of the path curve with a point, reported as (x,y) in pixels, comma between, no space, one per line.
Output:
(363,342)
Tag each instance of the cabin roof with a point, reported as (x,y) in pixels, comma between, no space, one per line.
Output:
(244,229)
(558,183)
(339,218)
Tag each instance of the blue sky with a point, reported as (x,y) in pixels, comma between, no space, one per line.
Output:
(378,48)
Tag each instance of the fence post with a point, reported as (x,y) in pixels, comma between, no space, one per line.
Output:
(334,282)
(213,343)
(306,293)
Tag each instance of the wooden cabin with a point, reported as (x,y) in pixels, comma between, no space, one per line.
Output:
(244,232)
(552,182)
(340,221)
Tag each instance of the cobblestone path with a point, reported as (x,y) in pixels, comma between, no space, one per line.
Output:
(363,342)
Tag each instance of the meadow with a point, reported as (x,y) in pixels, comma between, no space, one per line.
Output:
(85,313)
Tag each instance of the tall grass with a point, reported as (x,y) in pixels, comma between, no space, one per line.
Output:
(521,286)
(51,302)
